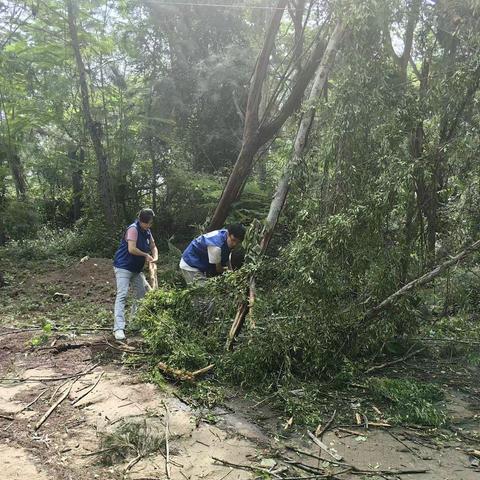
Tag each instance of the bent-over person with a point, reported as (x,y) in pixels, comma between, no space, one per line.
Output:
(208,254)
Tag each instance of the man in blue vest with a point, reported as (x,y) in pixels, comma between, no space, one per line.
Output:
(209,253)
(136,247)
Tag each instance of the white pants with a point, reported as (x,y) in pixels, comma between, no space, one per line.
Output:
(193,276)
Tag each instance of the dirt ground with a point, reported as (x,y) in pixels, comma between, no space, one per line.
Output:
(241,439)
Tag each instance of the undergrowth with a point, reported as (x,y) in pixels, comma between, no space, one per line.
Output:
(410,401)
(298,335)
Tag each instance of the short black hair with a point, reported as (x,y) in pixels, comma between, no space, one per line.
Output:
(146,215)
(237,230)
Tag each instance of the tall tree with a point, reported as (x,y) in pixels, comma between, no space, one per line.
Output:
(300,144)
(94,127)
(260,130)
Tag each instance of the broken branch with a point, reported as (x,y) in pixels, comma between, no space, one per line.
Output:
(54,406)
(320,431)
(35,399)
(319,443)
(183,375)
(167,449)
(398,360)
(427,277)
(89,390)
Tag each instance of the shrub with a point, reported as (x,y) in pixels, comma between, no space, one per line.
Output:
(19,221)
(410,401)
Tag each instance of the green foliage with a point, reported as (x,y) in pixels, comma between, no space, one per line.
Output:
(205,393)
(155,377)
(18,221)
(410,401)
(302,401)
(174,325)
(462,327)
(200,192)
(43,338)
(459,291)
(187,329)
(91,238)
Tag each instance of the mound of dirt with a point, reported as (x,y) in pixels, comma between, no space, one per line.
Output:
(98,269)
(91,279)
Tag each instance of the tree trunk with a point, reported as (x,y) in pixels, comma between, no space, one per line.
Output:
(448,129)
(303,131)
(283,187)
(13,160)
(16,168)
(77,160)
(401,61)
(94,128)
(257,133)
(409,234)
(235,184)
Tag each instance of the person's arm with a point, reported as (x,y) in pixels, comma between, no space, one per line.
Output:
(133,250)
(215,258)
(220,268)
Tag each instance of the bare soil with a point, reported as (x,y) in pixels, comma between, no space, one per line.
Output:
(242,433)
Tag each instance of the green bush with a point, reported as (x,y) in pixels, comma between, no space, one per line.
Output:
(47,244)
(89,238)
(410,401)
(19,221)
(176,326)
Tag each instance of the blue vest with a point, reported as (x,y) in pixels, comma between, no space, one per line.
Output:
(127,261)
(196,254)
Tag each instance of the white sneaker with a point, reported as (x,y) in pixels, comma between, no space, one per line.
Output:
(119,335)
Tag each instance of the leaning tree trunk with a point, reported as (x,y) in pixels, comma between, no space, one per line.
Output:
(256,132)
(250,144)
(424,279)
(94,128)
(283,186)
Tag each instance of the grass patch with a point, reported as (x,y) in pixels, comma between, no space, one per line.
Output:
(43,337)
(132,439)
(410,401)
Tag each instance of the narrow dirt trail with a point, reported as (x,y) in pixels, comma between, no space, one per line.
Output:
(65,445)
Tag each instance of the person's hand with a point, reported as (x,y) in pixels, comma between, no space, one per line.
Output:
(149,258)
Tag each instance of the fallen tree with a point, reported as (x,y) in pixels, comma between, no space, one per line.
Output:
(424,279)
(283,186)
